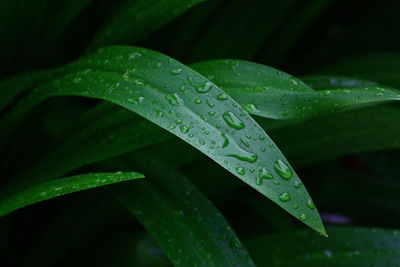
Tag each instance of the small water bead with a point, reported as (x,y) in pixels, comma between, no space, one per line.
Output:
(198,101)
(157,65)
(174,99)
(211,113)
(160,114)
(284,197)
(252,170)
(297,184)
(178,121)
(138,82)
(283,170)
(261,137)
(240,170)
(135,100)
(250,108)
(77,80)
(201,142)
(303,217)
(310,204)
(190,135)
(233,121)
(211,105)
(134,55)
(263,174)
(201,88)
(222,97)
(176,71)
(184,129)
(171,127)
(296,206)
(277,183)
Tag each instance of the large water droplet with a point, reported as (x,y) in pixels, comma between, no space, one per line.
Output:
(236,151)
(282,169)
(174,99)
(284,197)
(233,121)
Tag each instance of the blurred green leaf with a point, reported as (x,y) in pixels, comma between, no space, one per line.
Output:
(137,19)
(344,247)
(188,228)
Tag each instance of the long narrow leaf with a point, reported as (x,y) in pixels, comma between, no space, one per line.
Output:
(185,103)
(60,187)
(344,247)
(188,228)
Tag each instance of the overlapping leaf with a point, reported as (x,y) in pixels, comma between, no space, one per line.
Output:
(185,103)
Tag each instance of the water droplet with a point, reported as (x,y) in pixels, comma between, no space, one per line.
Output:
(261,137)
(77,80)
(250,108)
(284,197)
(236,151)
(198,101)
(310,204)
(283,170)
(303,217)
(178,121)
(222,97)
(211,113)
(138,82)
(176,71)
(135,100)
(184,129)
(263,174)
(160,114)
(296,206)
(201,88)
(233,121)
(240,170)
(211,105)
(174,99)
(297,184)
(134,55)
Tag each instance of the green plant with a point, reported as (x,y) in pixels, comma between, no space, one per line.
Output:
(81,98)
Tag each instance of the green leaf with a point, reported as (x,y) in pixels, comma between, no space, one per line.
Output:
(188,228)
(186,104)
(344,247)
(136,19)
(369,129)
(60,187)
(270,93)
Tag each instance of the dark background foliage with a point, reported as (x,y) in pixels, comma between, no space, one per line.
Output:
(354,181)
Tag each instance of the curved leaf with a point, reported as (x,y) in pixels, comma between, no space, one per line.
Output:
(60,187)
(137,19)
(188,227)
(186,104)
(270,93)
(344,247)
